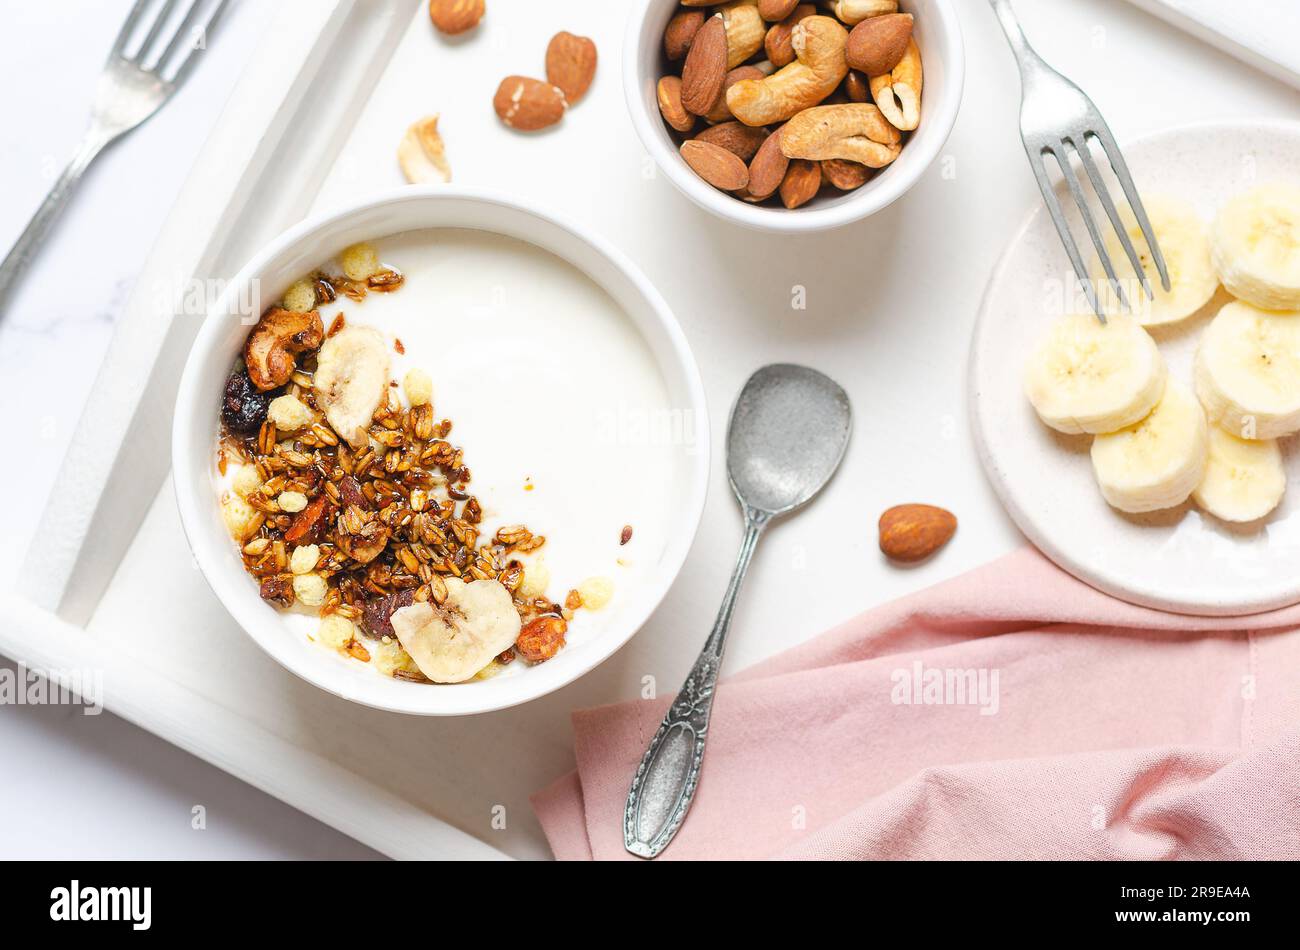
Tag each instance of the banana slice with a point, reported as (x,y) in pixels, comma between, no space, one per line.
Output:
(1090,377)
(1248,371)
(1185,242)
(451,642)
(1158,462)
(351,380)
(1256,242)
(1244,479)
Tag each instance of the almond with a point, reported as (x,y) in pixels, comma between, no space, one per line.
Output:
(803,179)
(736,137)
(776,9)
(877,45)
(680,32)
(914,532)
(706,67)
(455,16)
(778,43)
(669,93)
(528,104)
(716,165)
(571,65)
(845,175)
(768,168)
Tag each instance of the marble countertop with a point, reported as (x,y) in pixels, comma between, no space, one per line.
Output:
(98,786)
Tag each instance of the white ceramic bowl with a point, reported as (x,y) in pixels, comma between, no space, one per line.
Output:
(943,58)
(308,246)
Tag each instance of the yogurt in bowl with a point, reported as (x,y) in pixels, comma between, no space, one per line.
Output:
(573,396)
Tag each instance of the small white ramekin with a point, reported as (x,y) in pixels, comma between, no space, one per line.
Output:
(197,421)
(943,59)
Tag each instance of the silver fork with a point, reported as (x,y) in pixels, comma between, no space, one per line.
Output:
(133,86)
(1056,118)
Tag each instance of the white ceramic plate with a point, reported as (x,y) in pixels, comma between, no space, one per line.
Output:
(539,337)
(1180,560)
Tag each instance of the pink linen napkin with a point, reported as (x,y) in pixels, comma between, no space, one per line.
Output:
(1013,712)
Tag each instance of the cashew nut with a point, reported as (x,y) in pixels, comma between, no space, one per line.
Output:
(422,155)
(745,31)
(898,93)
(855,131)
(855,11)
(819,43)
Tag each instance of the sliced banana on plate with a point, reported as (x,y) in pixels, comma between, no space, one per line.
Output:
(1244,479)
(1248,371)
(351,380)
(451,642)
(1256,246)
(1185,242)
(1093,377)
(1158,462)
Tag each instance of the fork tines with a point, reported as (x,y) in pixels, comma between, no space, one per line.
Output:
(180,39)
(1079,142)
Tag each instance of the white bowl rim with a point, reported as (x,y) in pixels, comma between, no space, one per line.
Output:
(272,637)
(854,207)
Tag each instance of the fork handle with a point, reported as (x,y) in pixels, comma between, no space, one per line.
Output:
(20,256)
(1015,35)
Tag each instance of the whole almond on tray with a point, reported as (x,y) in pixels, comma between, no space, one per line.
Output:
(706,67)
(877,45)
(571,65)
(528,104)
(914,532)
(455,16)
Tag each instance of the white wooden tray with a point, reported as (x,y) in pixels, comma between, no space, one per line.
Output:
(885,307)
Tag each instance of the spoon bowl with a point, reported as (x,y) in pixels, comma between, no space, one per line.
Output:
(788,433)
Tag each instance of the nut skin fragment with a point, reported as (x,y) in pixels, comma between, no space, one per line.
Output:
(541,639)
(913,532)
(528,105)
(857,87)
(854,131)
(877,45)
(898,93)
(271,349)
(571,65)
(802,182)
(681,32)
(720,168)
(456,16)
(669,93)
(705,70)
(819,68)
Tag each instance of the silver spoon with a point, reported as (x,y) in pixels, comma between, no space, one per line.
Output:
(787,436)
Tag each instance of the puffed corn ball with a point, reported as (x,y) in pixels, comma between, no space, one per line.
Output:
(537,577)
(335,631)
(304,559)
(301,297)
(240,517)
(419,387)
(359,261)
(596,592)
(289,413)
(292,501)
(310,589)
(244,480)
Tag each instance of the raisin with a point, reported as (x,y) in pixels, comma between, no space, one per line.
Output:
(278,590)
(243,407)
(351,493)
(377,613)
(307,523)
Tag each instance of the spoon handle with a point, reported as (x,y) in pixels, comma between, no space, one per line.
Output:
(666,779)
